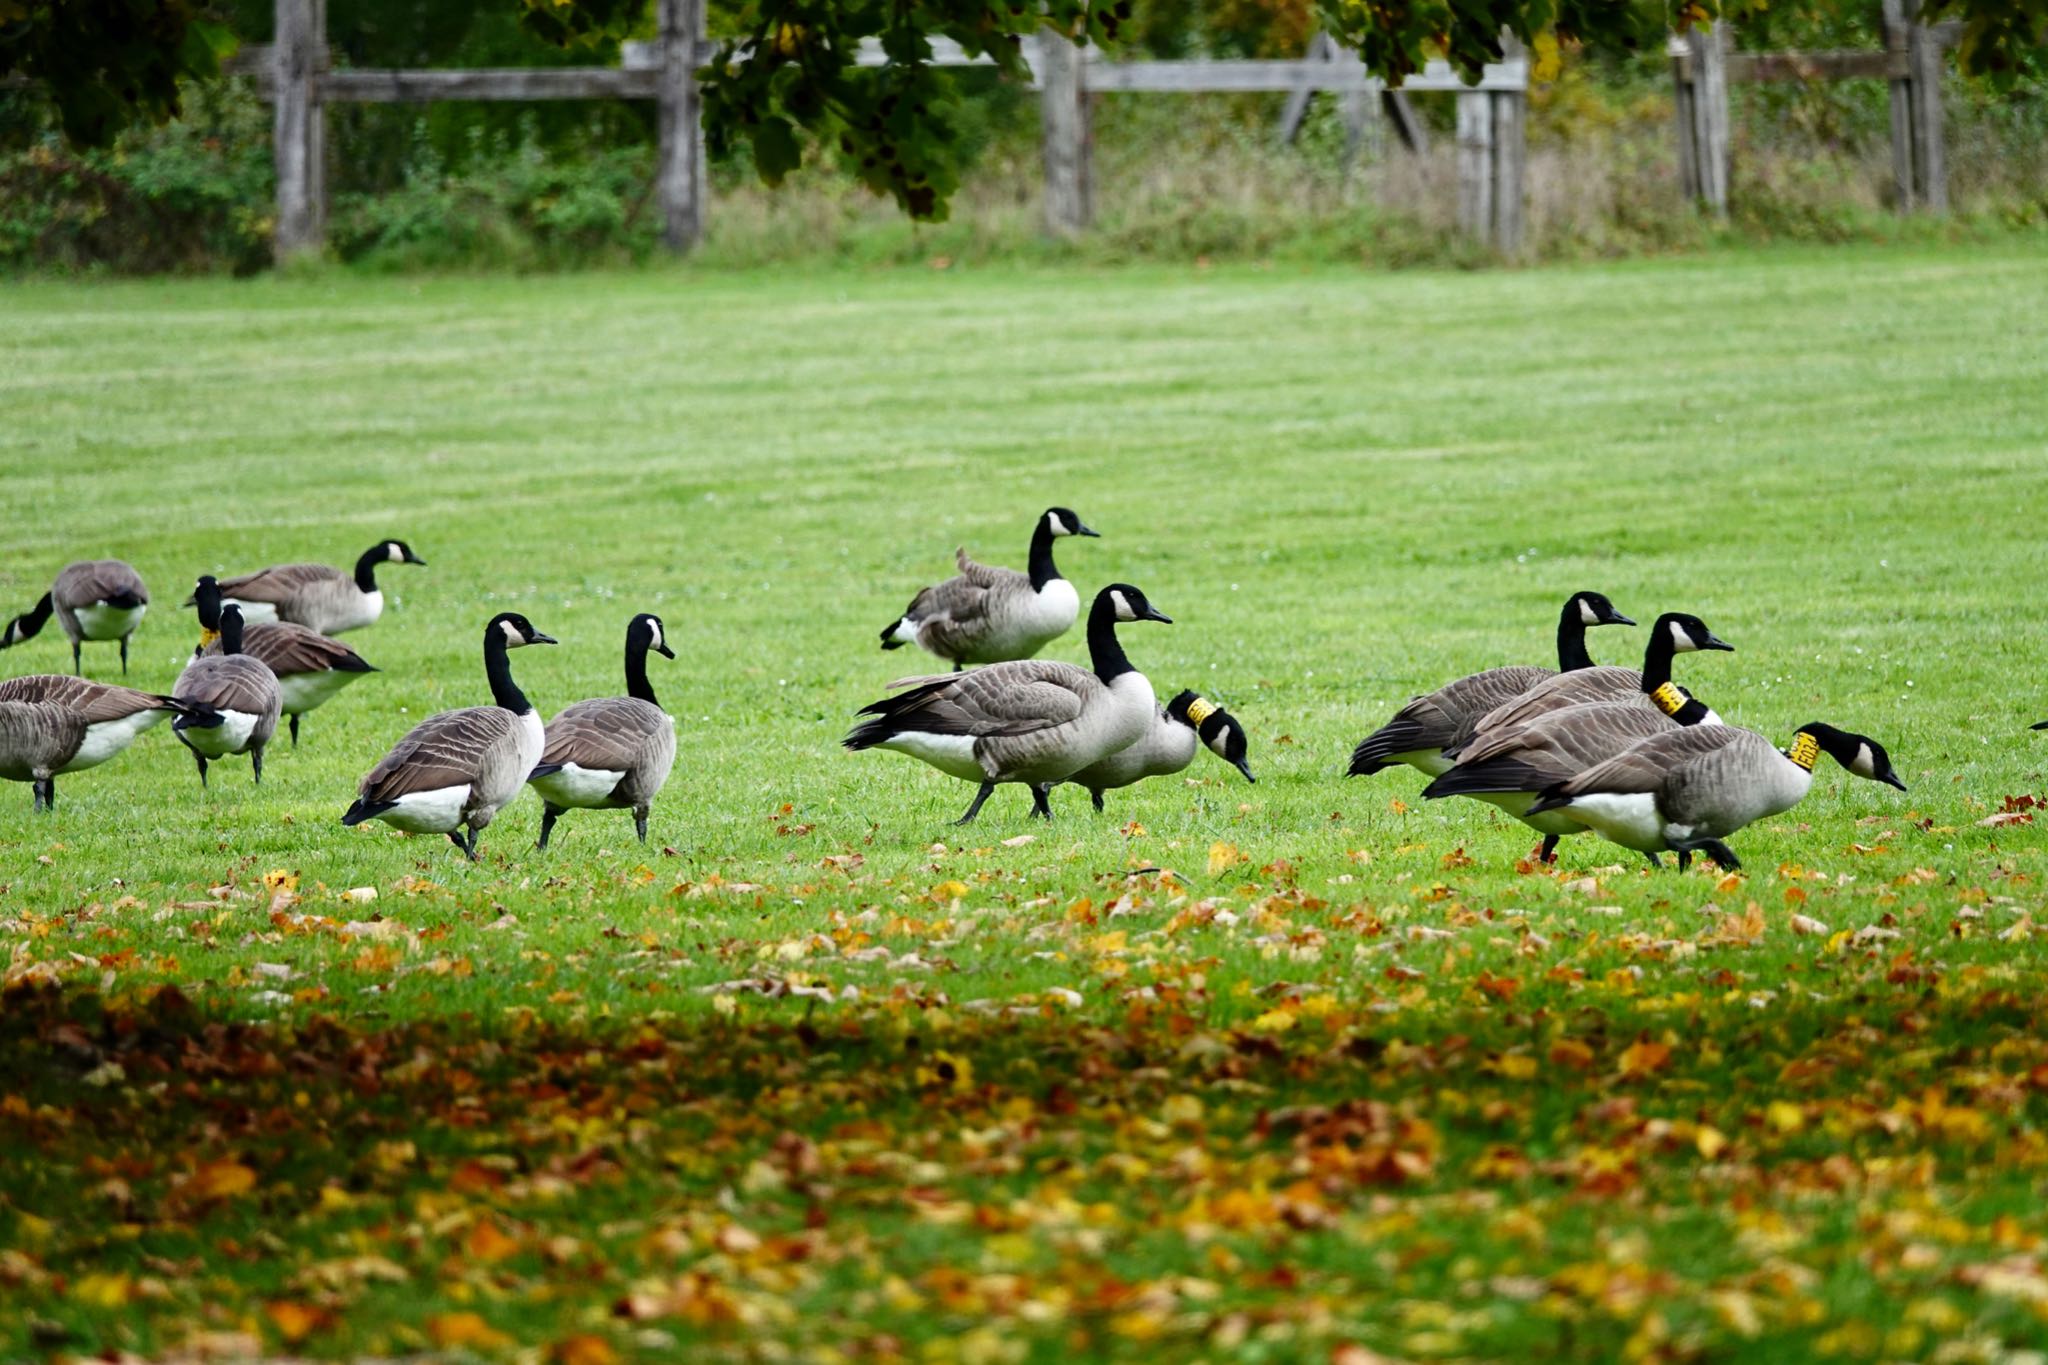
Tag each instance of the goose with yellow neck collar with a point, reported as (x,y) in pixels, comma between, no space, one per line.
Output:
(1168,746)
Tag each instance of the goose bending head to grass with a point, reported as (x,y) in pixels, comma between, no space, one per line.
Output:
(239,697)
(1168,746)
(1422,730)
(93,600)
(1688,790)
(612,753)
(460,768)
(55,724)
(986,615)
(1028,721)
(311,669)
(319,597)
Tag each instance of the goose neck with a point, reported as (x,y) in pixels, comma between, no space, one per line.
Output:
(366,568)
(637,686)
(1571,639)
(1105,651)
(1043,571)
(230,627)
(1657,658)
(498,668)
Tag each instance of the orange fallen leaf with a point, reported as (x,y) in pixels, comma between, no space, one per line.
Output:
(486,1242)
(297,1321)
(1570,1052)
(219,1180)
(1644,1056)
(583,1349)
(449,1330)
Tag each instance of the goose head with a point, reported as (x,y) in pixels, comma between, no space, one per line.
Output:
(1596,610)
(1216,728)
(1689,633)
(1061,521)
(398,552)
(646,629)
(518,632)
(206,597)
(1127,603)
(1860,754)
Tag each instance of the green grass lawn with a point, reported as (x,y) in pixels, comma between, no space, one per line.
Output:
(1308,1070)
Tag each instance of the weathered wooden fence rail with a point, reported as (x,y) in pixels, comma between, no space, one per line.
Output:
(1703,67)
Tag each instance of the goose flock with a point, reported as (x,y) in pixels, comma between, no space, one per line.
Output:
(1627,754)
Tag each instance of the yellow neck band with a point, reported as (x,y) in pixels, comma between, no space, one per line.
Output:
(1200,709)
(1805,750)
(207,637)
(1668,698)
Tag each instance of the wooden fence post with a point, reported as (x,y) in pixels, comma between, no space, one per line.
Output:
(1510,154)
(679,173)
(299,127)
(1905,196)
(1707,104)
(1683,118)
(1930,155)
(1475,164)
(1063,120)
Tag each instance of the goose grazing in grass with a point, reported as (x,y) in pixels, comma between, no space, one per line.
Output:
(1168,746)
(1688,790)
(235,699)
(310,668)
(1674,633)
(317,596)
(95,599)
(1508,768)
(1422,730)
(54,724)
(1027,721)
(613,753)
(461,767)
(987,615)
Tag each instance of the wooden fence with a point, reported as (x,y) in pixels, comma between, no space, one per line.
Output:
(1703,67)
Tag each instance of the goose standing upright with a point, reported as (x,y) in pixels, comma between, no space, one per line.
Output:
(317,596)
(236,701)
(59,725)
(1689,789)
(95,599)
(310,668)
(988,615)
(1025,721)
(1673,634)
(1428,725)
(1168,746)
(461,767)
(612,752)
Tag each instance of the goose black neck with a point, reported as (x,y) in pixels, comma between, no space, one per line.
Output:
(1571,639)
(366,567)
(230,627)
(207,601)
(1105,651)
(1657,657)
(637,685)
(29,622)
(498,668)
(1042,568)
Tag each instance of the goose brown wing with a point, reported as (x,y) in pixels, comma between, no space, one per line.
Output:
(97,580)
(233,683)
(38,736)
(611,733)
(1605,683)
(289,649)
(447,750)
(97,702)
(1648,764)
(280,581)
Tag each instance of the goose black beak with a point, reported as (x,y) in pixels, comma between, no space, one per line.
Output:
(1081,530)
(664,651)
(1244,768)
(1154,614)
(1615,618)
(541,638)
(412,558)
(1891,779)
(1716,642)
(2042,725)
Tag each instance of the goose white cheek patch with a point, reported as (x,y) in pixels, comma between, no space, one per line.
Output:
(512,636)
(1681,643)
(1587,615)
(394,554)
(1865,764)
(1057,524)
(1123,608)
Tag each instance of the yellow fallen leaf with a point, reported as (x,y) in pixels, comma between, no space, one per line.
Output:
(586,1348)
(1222,855)
(1644,1056)
(1274,1021)
(1711,1141)
(1785,1116)
(450,1330)
(220,1180)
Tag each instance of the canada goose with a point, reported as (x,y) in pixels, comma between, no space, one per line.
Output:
(95,599)
(461,767)
(317,596)
(238,697)
(1168,746)
(988,615)
(1689,789)
(98,720)
(1420,731)
(1507,768)
(613,753)
(1025,721)
(310,667)
(1674,633)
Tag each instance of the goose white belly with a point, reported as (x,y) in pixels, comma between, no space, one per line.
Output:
(356,610)
(1630,819)
(252,612)
(952,755)
(1430,762)
(102,622)
(429,812)
(109,737)
(1166,747)
(231,736)
(578,786)
(1559,822)
(303,692)
(1027,625)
